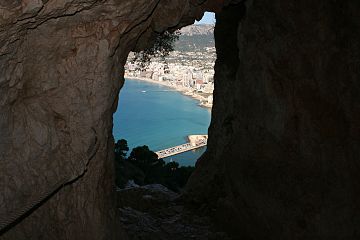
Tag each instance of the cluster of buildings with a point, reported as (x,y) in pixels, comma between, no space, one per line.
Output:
(189,72)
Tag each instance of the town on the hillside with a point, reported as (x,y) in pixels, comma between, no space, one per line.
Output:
(190,72)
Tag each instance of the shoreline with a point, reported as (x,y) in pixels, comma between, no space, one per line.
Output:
(184,91)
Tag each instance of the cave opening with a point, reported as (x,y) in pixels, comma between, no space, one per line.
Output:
(166,100)
(166,105)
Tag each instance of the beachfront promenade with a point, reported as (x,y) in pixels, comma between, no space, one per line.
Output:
(190,92)
(195,141)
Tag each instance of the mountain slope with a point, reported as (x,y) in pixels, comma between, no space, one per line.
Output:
(195,38)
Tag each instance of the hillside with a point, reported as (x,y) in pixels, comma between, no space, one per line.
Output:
(197,29)
(195,38)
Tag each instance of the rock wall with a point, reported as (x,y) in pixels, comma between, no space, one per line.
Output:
(282,159)
(284,141)
(61,69)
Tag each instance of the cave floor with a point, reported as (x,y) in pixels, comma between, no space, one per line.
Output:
(154,212)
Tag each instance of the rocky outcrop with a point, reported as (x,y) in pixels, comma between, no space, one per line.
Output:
(283,150)
(61,68)
(198,29)
(153,212)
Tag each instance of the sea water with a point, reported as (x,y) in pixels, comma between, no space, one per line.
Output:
(159,117)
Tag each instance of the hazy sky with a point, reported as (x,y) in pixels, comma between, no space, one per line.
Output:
(209,18)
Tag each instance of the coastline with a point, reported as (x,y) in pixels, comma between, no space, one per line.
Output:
(182,90)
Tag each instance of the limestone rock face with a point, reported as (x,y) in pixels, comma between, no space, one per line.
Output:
(61,69)
(284,141)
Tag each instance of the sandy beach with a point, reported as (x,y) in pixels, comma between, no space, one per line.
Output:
(183,90)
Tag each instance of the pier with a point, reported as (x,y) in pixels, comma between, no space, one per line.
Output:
(195,141)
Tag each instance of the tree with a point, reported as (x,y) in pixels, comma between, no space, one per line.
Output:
(172,166)
(149,163)
(143,156)
(182,175)
(144,167)
(169,179)
(121,149)
(123,170)
(162,46)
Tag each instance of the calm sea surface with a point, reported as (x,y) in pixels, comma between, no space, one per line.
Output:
(154,115)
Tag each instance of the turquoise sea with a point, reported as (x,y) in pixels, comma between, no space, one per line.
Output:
(157,116)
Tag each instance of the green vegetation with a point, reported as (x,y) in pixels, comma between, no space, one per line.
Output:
(163,44)
(144,167)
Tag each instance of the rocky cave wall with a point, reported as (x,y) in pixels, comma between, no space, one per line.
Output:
(284,141)
(282,158)
(61,69)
